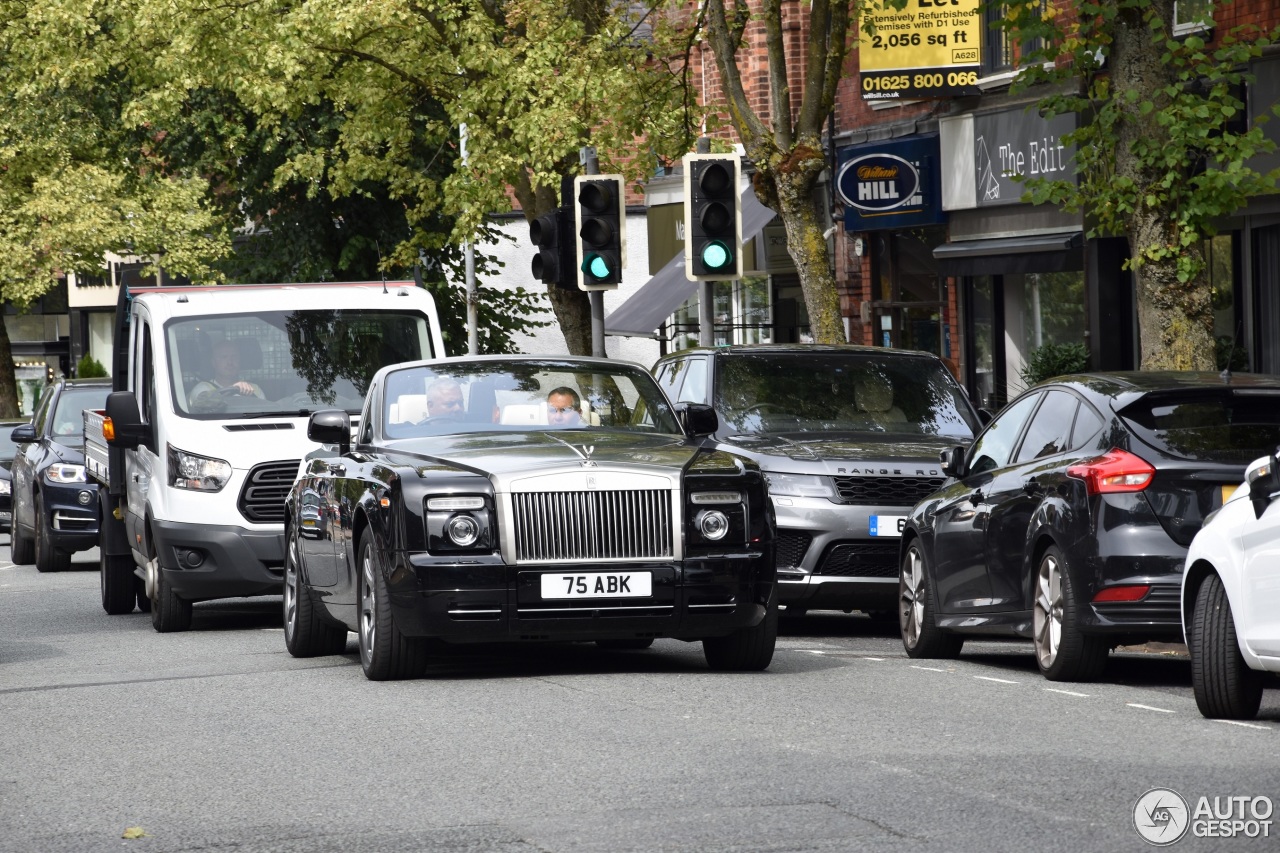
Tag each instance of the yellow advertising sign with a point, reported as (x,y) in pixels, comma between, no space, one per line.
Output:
(927,49)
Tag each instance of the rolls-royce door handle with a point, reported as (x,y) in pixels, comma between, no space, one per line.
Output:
(977,497)
(1032,487)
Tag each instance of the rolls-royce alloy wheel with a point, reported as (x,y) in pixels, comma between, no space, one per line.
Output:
(306,633)
(1063,652)
(921,637)
(385,653)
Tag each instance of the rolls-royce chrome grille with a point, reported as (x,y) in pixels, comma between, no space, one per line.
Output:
(595,525)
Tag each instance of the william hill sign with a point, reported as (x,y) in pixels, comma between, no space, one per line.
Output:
(890,184)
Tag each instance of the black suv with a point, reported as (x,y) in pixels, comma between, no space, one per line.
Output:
(848,438)
(55,506)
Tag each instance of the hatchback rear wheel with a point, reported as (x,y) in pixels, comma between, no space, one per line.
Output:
(1063,652)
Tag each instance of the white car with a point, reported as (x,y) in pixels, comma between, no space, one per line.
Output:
(1231,597)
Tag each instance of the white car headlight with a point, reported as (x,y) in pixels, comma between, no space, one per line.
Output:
(63,473)
(800,485)
(197,473)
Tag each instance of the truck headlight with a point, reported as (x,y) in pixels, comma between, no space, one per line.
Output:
(64,473)
(799,485)
(197,473)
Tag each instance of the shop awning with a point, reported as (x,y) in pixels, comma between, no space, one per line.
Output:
(659,297)
(1009,255)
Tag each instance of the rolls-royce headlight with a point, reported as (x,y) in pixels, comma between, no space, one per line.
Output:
(799,485)
(63,473)
(462,530)
(6,487)
(712,524)
(716,497)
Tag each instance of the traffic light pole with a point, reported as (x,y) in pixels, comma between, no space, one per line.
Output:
(591,166)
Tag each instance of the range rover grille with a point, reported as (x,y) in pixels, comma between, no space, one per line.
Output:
(886,491)
(262,498)
(589,526)
(860,560)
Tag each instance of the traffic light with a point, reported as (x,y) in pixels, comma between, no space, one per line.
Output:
(600,219)
(712,217)
(553,263)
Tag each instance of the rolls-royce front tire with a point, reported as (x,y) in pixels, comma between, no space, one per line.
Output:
(747,649)
(385,653)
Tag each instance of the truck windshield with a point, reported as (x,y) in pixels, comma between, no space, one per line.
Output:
(286,362)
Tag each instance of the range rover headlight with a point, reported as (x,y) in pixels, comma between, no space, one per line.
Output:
(196,473)
(462,530)
(712,524)
(800,485)
(64,473)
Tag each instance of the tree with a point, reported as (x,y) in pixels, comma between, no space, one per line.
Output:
(76,182)
(1161,148)
(533,81)
(786,145)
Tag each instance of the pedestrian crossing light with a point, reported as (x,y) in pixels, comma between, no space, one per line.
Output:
(712,217)
(600,219)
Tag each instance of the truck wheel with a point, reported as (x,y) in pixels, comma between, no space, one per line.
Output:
(385,653)
(746,649)
(306,633)
(169,613)
(117,583)
(1224,686)
(21,548)
(48,558)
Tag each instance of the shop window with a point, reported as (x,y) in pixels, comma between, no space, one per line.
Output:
(1041,309)
(742,311)
(1228,327)
(1191,16)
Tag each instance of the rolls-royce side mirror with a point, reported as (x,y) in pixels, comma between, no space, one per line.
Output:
(1263,477)
(952,460)
(331,426)
(699,419)
(24,434)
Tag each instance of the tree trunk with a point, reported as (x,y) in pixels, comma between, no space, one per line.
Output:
(790,186)
(1175,319)
(573,312)
(9,407)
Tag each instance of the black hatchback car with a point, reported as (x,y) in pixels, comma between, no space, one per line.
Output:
(55,506)
(1068,519)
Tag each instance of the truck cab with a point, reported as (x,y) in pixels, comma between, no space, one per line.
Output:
(208,426)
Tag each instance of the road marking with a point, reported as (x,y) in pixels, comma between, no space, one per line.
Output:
(928,668)
(812,651)
(998,680)
(1067,692)
(1246,725)
(1149,708)
(879,659)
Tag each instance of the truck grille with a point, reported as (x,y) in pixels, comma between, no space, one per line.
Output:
(262,498)
(886,491)
(591,526)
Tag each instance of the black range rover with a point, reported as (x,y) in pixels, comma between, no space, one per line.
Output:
(848,438)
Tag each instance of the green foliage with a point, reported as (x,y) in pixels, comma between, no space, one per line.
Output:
(1167,143)
(89,367)
(1055,360)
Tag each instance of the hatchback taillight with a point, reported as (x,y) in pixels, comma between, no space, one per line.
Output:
(1114,471)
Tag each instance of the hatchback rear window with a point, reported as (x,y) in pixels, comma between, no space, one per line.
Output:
(1236,425)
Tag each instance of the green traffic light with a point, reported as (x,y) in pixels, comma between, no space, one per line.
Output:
(596,267)
(715,255)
